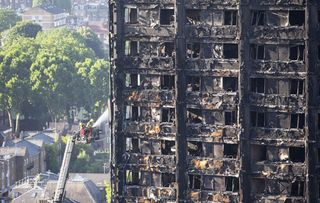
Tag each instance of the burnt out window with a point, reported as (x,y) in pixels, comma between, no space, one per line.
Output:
(131,15)
(230,17)
(132,177)
(257,51)
(257,119)
(195,149)
(167,147)
(297,120)
(167,82)
(296,86)
(258,85)
(132,80)
(297,189)
(133,113)
(296,154)
(193,16)
(166,49)
(296,17)
(166,16)
(194,116)
(296,52)
(193,50)
(258,153)
(131,48)
(168,179)
(132,145)
(193,83)
(195,181)
(230,84)
(230,150)
(230,117)
(232,184)
(258,18)
(230,51)
(319,52)
(167,115)
(318,121)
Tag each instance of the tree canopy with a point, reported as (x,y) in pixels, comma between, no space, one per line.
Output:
(8,19)
(56,68)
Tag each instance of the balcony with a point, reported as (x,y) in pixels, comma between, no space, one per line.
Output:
(135,30)
(205,31)
(278,102)
(210,166)
(278,135)
(213,196)
(213,133)
(154,163)
(152,98)
(218,66)
(279,3)
(224,3)
(282,33)
(149,63)
(212,101)
(150,129)
(279,170)
(284,67)
(152,193)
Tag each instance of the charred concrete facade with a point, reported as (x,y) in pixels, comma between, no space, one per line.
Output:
(215,101)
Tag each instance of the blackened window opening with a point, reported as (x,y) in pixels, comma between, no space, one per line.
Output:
(230,150)
(230,51)
(230,17)
(230,84)
(230,117)
(257,85)
(296,17)
(167,82)
(258,18)
(166,16)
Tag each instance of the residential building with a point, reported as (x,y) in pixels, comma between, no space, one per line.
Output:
(18,5)
(42,187)
(215,101)
(36,154)
(48,16)
(13,165)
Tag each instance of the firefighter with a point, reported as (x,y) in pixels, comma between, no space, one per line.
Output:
(82,130)
(88,131)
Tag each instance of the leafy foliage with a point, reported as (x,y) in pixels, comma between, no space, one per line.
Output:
(53,67)
(8,19)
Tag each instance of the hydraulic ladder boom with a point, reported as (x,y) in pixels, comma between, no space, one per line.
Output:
(61,184)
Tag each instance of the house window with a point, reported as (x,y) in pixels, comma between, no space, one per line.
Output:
(296,87)
(257,51)
(131,15)
(297,120)
(257,119)
(166,16)
(230,17)
(258,18)
(257,85)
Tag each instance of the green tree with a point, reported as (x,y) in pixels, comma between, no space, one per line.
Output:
(8,19)
(22,29)
(16,60)
(92,41)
